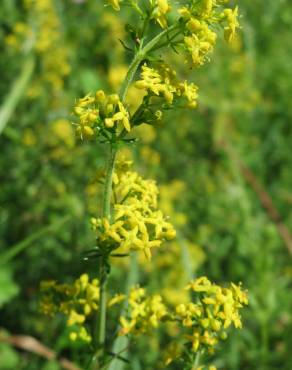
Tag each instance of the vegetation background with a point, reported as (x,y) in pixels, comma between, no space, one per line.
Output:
(225,171)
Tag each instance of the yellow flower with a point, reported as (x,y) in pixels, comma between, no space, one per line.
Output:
(201,284)
(239,294)
(116,299)
(200,43)
(115,4)
(215,310)
(75,318)
(162,81)
(83,335)
(207,7)
(76,301)
(232,20)
(199,22)
(123,116)
(161,8)
(136,223)
(100,111)
(73,336)
(144,313)
(190,91)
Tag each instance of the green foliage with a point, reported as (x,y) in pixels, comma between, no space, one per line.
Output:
(9,357)
(8,287)
(49,181)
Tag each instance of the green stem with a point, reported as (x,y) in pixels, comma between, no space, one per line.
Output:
(168,42)
(144,28)
(122,342)
(141,54)
(106,210)
(102,306)
(16,92)
(130,75)
(157,38)
(197,361)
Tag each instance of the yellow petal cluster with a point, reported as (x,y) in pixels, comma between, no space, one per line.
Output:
(144,312)
(76,301)
(231,16)
(100,112)
(115,4)
(215,310)
(136,224)
(202,322)
(162,81)
(197,22)
(160,9)
(200,39)
(200,22)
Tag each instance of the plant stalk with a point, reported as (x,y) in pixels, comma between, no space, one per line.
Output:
(197,361)
(141,54)
(106,212)
(18,88)
(106,209)
(130,75)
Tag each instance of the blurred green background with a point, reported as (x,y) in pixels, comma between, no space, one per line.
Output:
(225,172)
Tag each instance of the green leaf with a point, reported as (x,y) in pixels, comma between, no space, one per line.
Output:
(8,288)
(51,365)
(9,357)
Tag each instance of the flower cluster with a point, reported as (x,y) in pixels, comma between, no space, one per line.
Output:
(200,39)
(100,113)
(203,321)
(49,44)
(199,22)
(136,224)
(144,312)
(162,81)
(115,4)
(194,24)
(158,9)
(215,310)
(77,302)
(231,18)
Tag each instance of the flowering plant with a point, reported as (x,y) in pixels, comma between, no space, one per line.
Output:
(130,219)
